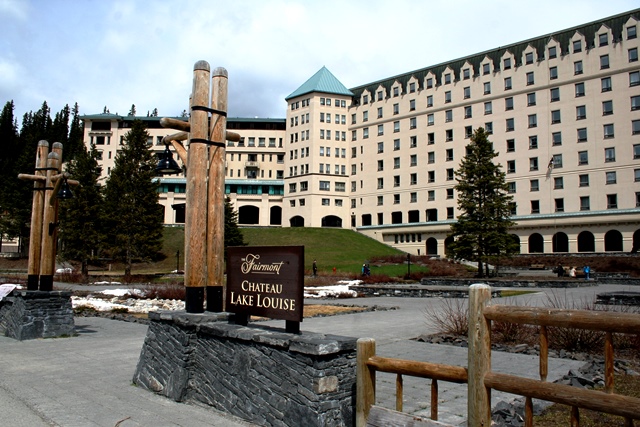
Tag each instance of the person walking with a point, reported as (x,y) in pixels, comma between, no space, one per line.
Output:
(315,268)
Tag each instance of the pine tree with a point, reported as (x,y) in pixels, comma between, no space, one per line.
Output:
(132,215)
(481,231)
(80,216)
(132,112)
(75,144)
(8,172)
(232,234)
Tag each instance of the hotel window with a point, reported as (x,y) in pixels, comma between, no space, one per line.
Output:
(431,176)
(609,154)
(487,88)
(449,193)
(486,69)
(466,74)
(413,179)
(581,112)
(380,183)
(582,134)
(447,78)
(507,83)
(511,166)
(583,180)
(583,158)
(396,181)
(396,91)
(610,177)
(603,39)
(430,120)
(396,109)
(577,68)
(533,163)
(292,188)
(556,138)
(604,62)
(636,175)
(413,142)
(321,136)
(488,109)
(449,212)
(412,87)
(467,112)
(448,115)
(634,78)
(447,97)
(380,147)
(511,145)
(412,124)
(631,32)
(510,125)
(353,135)
(468,131)
(612,201)
(555,116)
(430,101)
(380,201)
(608,131)
(450,174)
(511,187)
(533,120)
(635,127)
(584,203)
(431,157)
(507,63)
(396,126)
(413,198)
(556,160)
(534,185)
(553,73)
(554,94)
(380,95)
(530,78)
(533,142)
(365,133)
(448,135)
(467,92)
(535,206)
(412,105)
(636,151)
(577,46)
(380,130)
(353,118)
(413,160)
(552,52)
(528,58)
(365,116)
(488,127)
(304,186)
(380,165)
(508,104)
(396,144)
(635,103)
(429,83)
(326,202)
(431,138)
(559,205)
(431,195)
(605,84)
(633,54)
(449,154)
(558,183)
(513,208)
(325,185)
(531,99)
(607,108)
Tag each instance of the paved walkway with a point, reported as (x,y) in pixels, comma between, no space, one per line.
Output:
(86,380)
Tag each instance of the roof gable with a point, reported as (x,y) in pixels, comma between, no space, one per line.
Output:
(322,81)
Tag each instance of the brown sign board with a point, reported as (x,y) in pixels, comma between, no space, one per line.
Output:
(266,281)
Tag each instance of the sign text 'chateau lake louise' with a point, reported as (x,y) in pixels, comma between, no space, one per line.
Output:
(266,281)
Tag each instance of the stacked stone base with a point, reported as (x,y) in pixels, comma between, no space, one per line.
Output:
(27,315)
(263,375)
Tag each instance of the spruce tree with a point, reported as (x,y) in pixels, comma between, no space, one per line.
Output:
(481,231)
(132,216)
(232,234)
(80,216)
(9,227)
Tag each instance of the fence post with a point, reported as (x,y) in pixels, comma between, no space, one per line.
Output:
(479,359)
(365,380)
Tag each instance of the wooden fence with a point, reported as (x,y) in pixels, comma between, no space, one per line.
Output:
(481,379)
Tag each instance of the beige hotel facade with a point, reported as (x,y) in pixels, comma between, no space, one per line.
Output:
(563,112)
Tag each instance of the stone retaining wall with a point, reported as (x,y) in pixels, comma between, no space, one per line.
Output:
(264,375)
(26,315)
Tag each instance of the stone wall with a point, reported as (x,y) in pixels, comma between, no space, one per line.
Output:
(264,375)
(26,315)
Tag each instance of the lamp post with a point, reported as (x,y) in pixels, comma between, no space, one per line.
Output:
(49,186)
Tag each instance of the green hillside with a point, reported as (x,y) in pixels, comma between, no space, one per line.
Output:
(345,250)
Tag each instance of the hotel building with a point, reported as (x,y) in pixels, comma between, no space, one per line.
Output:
(562,110)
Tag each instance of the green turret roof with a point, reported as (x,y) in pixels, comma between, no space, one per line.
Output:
(322,81)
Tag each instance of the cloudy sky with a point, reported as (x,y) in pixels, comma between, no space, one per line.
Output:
(116,53)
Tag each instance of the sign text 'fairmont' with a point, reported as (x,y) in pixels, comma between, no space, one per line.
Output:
(266,281)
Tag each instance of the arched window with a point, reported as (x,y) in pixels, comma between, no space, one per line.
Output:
(613,241)
(560,242)
(586,242)
(432,246)
(536,243)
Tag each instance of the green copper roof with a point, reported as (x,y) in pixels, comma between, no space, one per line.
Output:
(322,81)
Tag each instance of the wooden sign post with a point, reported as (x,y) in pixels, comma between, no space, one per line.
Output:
(204,211)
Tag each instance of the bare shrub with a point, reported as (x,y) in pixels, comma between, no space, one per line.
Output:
(451,318)
(173,291)
(70,277)
(571,338)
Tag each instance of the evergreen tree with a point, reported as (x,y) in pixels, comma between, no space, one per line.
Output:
(232,234)
(75,144)
(80,216)
(481,231)
(9,227)
(132,216)
(132,112)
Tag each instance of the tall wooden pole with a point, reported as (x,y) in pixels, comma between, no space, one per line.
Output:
(479,362)
(195,250)
(49,221)
(215,222)
(35,234)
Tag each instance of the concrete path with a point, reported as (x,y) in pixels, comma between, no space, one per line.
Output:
(86,380)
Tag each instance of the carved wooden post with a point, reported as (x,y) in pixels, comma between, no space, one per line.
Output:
(35,234)
(479,362)
(365,380)
(195,274)
(49,221)
(215,222)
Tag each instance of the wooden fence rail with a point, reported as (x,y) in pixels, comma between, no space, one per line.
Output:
(481,379)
